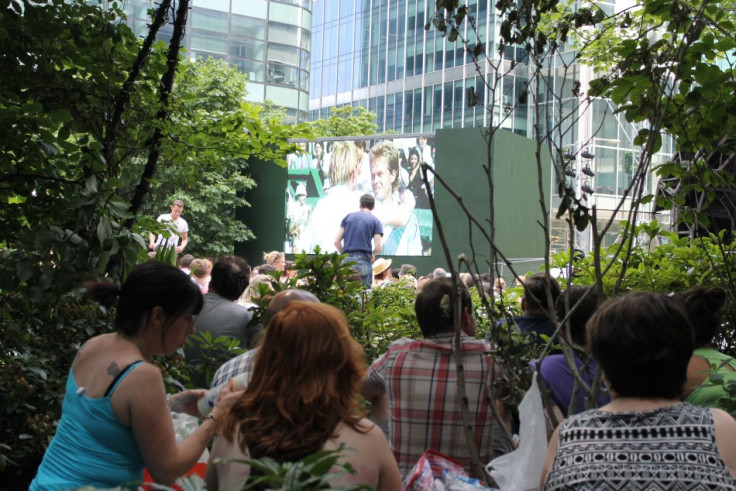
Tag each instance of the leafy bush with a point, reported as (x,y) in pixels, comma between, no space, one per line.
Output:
(37,345)
(676,264)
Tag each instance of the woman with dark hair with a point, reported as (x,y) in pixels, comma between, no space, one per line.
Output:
(416,185)
(115,420)
(303,398)
(703,307)
(646,437)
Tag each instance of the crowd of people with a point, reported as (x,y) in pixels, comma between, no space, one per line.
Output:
(632,391)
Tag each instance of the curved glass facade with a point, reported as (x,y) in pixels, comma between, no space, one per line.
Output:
(269,40)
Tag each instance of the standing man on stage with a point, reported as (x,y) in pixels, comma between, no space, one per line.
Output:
(179,229)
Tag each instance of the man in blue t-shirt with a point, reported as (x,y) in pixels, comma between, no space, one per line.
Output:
(357,230)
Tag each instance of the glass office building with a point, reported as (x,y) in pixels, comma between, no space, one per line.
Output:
(377,54)
(269,40)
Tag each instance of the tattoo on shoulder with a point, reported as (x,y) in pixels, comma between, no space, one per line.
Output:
(113,369)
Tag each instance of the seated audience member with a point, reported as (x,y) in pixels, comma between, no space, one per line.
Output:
(499,285)
(703,307)
(185,262)
(438,273)
(115,419)
(539,289)
(554,369)
(381,272)
(243,363)
(646,437)
(407,269)
(266,268)
(221,315)
(303,399)
(291,270)
(467,280)
(276,259)
(421,281)
(201,274)
(416,381)
(247,299)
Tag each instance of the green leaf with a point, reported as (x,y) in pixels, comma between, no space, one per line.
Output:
(61,115)
(452,37)
(104,229)
(48,148)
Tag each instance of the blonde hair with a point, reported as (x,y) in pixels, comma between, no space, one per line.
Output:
(251,293)
(272,257)
(343,162)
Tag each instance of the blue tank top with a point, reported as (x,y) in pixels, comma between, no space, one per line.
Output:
(91,447)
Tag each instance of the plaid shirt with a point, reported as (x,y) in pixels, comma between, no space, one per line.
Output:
(420,380)
(242,363)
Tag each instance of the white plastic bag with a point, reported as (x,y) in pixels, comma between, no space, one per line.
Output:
(521,469)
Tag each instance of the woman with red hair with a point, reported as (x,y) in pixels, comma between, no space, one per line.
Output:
(303,398)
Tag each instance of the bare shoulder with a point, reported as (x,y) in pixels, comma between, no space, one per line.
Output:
(724,423)
(725,430)
(90,347)
(365,436)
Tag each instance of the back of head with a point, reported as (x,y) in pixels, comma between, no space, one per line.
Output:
(305,381)
(367,201)
(314,335)
(230,277)
(407,269)
(186,260)
(343,162)
(584,307)
(434,306)
(536,287)
(285,297)
(149,285)
(499,284)
(439,273)
(703,306)
(200,268)
(643,342)
(251,293)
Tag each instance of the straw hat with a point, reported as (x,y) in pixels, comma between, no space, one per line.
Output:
(381,265)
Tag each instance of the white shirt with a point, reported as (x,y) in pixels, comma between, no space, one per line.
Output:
(180,225)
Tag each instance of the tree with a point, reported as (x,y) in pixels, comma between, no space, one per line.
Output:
(93,125)
(346,121)
(91,128)
(665,66)
(204,163)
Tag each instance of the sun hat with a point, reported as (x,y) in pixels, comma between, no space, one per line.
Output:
(301,189)
(381,265)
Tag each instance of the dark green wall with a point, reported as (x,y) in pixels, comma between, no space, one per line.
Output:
(460,156)
(266,214)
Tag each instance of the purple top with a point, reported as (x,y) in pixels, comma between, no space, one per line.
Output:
(558,378)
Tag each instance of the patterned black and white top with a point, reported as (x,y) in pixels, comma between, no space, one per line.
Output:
(669,448)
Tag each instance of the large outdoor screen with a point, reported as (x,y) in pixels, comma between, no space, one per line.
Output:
(327,177)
